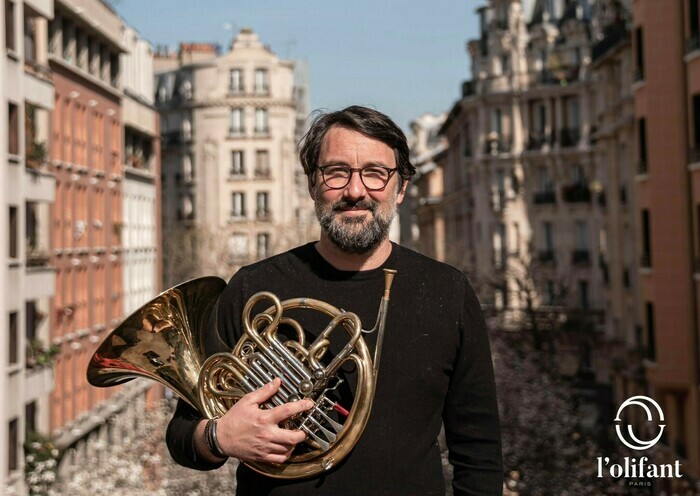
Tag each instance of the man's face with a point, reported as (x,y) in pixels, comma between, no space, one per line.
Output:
(354,218)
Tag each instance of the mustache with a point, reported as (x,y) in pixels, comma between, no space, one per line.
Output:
(365,204)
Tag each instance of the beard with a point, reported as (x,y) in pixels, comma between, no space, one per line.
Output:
(357,235)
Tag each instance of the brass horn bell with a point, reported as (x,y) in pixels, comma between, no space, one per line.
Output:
(163,341)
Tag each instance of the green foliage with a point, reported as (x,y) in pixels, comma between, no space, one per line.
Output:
(38,355)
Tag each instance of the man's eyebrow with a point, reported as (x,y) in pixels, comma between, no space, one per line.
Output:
(368,164)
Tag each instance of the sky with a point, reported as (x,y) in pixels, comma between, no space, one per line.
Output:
(402,57)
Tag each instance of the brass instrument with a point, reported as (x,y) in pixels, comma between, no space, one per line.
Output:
(163,340)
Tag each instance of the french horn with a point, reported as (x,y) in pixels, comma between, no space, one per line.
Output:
(164,341)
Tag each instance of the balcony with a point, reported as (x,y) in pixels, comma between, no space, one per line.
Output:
(263,215)
(692,43)
(38,84)
(580,257)
(569,137)
(40,185)
(613,35)
(576,193)
(262,90)
(645,261)
(171,138)
(40,281)
(536,140)
(546,256)
(500,24)
(40,383)
(638,74)
(642,167)
(694,154)
(602,199)
(545,197)
(236,132)
(562,76)
(495,145)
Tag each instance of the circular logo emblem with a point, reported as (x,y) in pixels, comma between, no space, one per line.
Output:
(629,439)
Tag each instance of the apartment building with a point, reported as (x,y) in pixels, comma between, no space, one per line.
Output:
(233,191)
(422,225)
(665,63)
(104,222)
(27,191)
(140,232)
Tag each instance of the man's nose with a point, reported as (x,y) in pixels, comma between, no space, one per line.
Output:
(355,189)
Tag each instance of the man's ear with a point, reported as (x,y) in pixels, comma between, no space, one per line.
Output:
(311,185)
(402,192)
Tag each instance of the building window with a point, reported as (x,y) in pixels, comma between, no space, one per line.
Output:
(13,338)
(695,152)
(66,35)
(263,207)
(646,238)
(583,301)
(550,293)
(237,125)
(13,445)
(499,246)
(261,121)
(32,318)
(639,54)
(651,331)
(29,418)
(261,84)
(13,129)
(238,247)
(642,140)
(114,69)
(10,25)
(186,211)
(545,181)
(13,228)
(581,253)
(29,39)
(262,163)
(504,64)
(236,81)
(263,245)
(237,163)
(187,168)
(238,205)
(547,252)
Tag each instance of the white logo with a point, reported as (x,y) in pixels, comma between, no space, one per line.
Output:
(634,442)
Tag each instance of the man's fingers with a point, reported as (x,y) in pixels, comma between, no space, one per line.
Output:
(266,392)
(289,438)
(283,412)
(276,458)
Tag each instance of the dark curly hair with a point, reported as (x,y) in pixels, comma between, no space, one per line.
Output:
(367,121)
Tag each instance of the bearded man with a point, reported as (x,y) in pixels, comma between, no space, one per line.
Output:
(436,361)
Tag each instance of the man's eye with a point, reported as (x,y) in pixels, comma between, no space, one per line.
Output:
(377,172)
(336,171)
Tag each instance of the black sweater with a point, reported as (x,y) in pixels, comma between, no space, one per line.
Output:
(435,366)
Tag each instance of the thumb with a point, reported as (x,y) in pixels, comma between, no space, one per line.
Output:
(266,392)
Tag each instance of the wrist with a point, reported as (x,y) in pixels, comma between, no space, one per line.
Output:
(212,440)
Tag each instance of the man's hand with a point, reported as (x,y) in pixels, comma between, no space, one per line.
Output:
(251,434)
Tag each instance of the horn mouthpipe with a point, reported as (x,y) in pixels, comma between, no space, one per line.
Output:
(388,280)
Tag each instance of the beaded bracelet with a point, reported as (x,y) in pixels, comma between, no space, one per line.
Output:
(212,440)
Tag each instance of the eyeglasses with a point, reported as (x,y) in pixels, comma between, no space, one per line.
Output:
(374,177)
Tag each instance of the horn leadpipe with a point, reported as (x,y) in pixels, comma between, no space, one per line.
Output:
(381,317)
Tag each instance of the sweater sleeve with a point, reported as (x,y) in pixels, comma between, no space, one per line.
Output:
(179,436)
(471,412)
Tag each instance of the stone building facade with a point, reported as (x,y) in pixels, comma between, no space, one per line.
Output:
(233,191)
(27,191)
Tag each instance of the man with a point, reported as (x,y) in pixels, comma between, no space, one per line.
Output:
(435,365)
